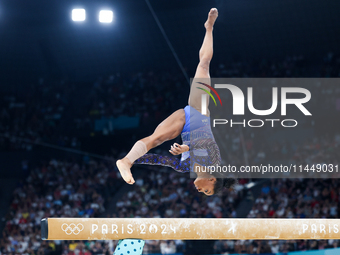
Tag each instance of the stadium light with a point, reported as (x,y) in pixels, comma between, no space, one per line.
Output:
(105,16)
(78,14)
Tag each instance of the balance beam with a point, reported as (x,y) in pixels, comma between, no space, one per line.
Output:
(188,229)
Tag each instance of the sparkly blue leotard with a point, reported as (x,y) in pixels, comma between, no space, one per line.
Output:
(198,136)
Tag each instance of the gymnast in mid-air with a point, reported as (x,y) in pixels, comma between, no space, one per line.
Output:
(199,147)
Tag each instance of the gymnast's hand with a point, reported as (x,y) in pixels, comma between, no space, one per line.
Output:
(177,149)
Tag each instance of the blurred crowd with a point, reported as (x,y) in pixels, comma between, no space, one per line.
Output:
(37,113)
(57,189)
(59,112)
(290,198)
(296,198)
(82,189)
(324,149)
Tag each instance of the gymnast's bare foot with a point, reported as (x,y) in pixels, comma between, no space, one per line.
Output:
(124,167)
(213,14)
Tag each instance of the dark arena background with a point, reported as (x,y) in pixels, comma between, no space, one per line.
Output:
(76,95)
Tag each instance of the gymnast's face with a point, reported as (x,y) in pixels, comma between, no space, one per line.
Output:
(205,185)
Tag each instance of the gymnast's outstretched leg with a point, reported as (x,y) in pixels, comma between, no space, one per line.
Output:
(202,72)
(159,160)
(169,129)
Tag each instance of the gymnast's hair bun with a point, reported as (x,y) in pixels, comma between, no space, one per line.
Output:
(229,183)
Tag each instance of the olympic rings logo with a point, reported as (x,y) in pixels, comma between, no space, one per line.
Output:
(72,228)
